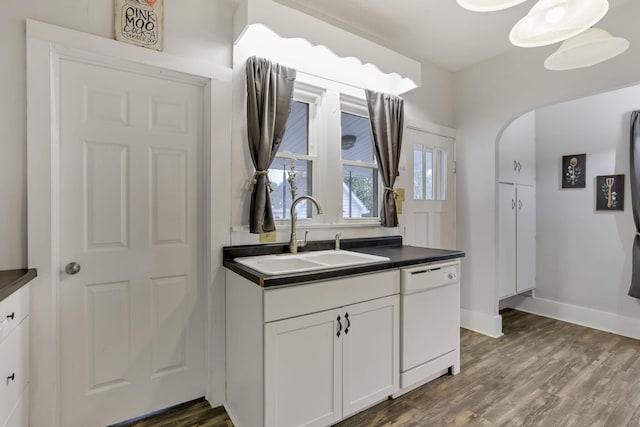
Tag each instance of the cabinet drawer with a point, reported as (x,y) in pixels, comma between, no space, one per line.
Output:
(14,367)
(13,310)
(297,300)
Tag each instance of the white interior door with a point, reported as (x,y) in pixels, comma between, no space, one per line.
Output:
(429,211)
(132,319)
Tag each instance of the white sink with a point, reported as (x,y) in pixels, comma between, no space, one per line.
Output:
(307,261)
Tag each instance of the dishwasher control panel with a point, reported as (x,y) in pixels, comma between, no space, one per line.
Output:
(428,276)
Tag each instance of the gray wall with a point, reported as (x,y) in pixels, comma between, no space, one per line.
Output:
(193,28)
(489,96)
(584,255)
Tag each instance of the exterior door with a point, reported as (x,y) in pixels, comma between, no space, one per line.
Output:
(132,318)
(428,180)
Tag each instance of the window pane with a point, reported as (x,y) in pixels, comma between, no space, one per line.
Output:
(418,175)
(442,175)
(359,192)
(296,135)
(428,170)
(281,177)
(356,138)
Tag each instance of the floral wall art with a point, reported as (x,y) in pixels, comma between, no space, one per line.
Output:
(574,169)
(610,193)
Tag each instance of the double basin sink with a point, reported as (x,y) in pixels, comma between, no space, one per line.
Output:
(308,261)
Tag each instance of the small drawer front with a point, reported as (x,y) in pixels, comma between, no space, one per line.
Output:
(14,368)
(429,276)
(302,299)
(13,310)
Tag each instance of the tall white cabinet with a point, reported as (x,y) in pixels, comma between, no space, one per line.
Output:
(517,208)
(516,239)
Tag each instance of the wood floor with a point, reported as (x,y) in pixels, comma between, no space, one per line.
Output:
(542,372)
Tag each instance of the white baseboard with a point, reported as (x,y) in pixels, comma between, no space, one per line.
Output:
(583,316)
(481,323)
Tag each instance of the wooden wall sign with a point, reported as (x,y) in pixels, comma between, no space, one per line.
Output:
(140,22)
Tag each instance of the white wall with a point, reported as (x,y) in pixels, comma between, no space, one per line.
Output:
(433,101)
(193,28)
(584,255)
(489,96)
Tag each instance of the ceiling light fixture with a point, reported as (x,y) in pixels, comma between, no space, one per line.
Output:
(552,21)
(488,5)
(586,49)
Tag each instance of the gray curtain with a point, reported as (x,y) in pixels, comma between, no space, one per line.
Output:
(634,290)
(386,113)
(269,94)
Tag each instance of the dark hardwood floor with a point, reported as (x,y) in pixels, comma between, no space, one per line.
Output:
(542,372)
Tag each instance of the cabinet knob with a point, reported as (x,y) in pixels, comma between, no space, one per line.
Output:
(72,268)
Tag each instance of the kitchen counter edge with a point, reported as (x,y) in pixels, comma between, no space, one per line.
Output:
(12,280)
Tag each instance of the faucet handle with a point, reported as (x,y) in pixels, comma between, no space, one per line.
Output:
(303,243)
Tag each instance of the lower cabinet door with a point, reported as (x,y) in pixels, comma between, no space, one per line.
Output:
(303,370)
(371,353)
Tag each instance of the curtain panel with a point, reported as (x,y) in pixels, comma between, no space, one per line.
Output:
(634,157)
(269,96)
(386,113)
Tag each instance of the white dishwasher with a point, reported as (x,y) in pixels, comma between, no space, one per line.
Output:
(430,323)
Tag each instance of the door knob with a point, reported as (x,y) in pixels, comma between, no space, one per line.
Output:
(72,268)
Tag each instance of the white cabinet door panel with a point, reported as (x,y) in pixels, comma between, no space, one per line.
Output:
(303,382)
(370,364)
(526,238)
(507,204)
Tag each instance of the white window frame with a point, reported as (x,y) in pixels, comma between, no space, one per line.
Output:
(312,95)
(358,107)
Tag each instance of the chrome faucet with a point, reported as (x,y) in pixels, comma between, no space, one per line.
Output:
(294,243)
(338,234)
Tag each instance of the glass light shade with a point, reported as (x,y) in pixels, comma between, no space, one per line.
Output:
(488,5)
(586,49)
(552,21)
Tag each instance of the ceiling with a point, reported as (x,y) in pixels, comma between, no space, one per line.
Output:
(438,31)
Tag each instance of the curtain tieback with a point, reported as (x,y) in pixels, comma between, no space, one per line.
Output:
(254,180)
(395,193)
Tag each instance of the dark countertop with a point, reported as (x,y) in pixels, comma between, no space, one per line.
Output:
(390,247)
(12,280)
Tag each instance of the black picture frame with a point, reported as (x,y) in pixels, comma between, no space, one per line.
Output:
(574,171)
(610,193)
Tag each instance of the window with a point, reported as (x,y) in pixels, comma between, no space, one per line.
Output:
(429,173)
(360,188)
(293,165)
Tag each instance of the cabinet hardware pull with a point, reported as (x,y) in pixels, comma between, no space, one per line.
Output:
(11,377)
(11,316)
(519,167)
(339,327)
(515,166)
(419,272)
(346,330)
(520,204)
(513,204)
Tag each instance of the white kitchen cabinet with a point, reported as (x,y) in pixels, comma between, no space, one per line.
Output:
(311,354)
(516,152)
(516,239)
(14,358)
(322,367)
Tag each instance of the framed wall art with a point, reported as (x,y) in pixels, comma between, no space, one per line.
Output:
(610,193)
(574,170)
(140,22)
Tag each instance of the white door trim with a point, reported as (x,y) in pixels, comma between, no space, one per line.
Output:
(46,45)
